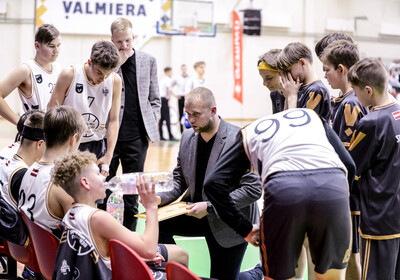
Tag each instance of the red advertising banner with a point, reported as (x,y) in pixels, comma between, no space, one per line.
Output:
(237,57)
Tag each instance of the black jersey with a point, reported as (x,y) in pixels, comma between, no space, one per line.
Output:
(346,113)
(375,148)
(315,96)
(278,101)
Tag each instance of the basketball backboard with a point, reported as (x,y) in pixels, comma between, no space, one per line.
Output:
(187,17)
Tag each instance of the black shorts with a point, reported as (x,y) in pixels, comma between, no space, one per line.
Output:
(380,259)
(96,147)
(312,202)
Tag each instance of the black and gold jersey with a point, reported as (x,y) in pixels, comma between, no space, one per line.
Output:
(375,148)
(278,101)
(346,113)
(315,96)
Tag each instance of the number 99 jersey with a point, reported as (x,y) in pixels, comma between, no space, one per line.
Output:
(292,140)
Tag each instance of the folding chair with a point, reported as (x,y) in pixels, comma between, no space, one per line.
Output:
(126,263)
(45,246)
(177,271)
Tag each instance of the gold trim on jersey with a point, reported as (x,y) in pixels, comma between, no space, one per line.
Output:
(47,199)
(379,237)
(93,239)
(313,100)
(303,86)
(355,213)
(44,69)
(341,97)
(356,178)
(366,258)
(356,139)
(380,107)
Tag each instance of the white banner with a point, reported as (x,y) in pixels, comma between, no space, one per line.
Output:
(96,16)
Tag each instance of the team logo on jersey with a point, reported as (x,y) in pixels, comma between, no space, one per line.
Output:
(79,88)
(105,91)
(39,78)
(396,115)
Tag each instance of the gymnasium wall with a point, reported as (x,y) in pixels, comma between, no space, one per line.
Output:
(284,21)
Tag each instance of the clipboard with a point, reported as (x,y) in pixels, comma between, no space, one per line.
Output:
(168,211)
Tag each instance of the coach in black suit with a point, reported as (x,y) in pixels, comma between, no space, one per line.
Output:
(140,110)
(200,148)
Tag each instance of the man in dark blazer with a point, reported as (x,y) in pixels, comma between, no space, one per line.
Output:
(200,148)
(140,110)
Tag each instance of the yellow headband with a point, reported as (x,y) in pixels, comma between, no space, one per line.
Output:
(265,66)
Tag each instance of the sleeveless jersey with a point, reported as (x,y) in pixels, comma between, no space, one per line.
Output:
(8,167)
(292,140)
(34,197)
(43,83)
(78,217)
(92,101)
(10,150)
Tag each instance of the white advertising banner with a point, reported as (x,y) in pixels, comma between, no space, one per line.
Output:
(96,16)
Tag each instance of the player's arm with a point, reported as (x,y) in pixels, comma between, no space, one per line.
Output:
(59,201)
(342,152)
(19,77)
(154,93)
(221,180)
(63,83)
(113,123)
(106,227)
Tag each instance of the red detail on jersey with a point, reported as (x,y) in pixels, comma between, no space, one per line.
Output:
(7,163)
(396,115)
(72,216)
(34,172)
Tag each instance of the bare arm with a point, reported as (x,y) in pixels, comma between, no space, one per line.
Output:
(19,77)
(60,90)
(106,227)
(59,201)
(113,123)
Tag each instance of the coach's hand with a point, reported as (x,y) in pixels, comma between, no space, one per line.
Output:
(197,210)
(254,236)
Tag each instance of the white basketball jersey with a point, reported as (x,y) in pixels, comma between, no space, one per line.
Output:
(78,217)
(43,83)
(291,140)
(8,167)
(34,196)
(92,101)
(10,150)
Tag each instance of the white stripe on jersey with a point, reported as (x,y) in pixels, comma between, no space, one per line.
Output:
(291,140)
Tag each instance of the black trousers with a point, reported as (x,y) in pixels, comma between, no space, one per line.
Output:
(164,117)
(132,155)
(181,105)
(225,262)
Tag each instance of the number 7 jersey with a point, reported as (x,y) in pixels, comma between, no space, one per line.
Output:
(291,140)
